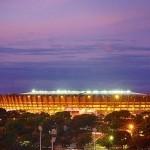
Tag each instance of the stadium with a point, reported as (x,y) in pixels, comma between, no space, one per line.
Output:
(76,102)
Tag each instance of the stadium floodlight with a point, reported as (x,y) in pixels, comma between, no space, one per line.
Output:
(95,92)
(89,92)
(33,90)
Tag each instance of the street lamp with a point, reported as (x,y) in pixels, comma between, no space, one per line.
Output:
(94,131)
(131,128)
(111,138)
(53,133)
(40,129)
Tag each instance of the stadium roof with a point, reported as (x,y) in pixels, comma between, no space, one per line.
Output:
(86,92)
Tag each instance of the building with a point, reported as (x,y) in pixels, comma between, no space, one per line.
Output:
(77,102)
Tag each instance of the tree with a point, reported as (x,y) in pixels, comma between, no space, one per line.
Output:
(83,139)
(3,112)
(3,116)
(117,119)
(119,138)
(85,120)
(62,117)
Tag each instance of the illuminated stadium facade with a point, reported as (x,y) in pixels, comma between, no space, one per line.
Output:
(77,102)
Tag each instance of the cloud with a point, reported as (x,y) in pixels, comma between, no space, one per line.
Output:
(94,63)
(88,51)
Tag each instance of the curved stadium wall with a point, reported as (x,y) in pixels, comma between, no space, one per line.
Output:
(75,103)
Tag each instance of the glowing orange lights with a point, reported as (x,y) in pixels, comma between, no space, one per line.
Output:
(131,126)
(76,102)
(117,97)
(89,96)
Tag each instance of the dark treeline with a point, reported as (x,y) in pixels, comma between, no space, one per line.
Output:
(120,129)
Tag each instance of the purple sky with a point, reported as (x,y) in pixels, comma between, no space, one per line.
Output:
(74,44)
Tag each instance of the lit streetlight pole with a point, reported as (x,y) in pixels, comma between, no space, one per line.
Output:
(111,139)
(40,129)
(94,139)
(131,128)
(53,133)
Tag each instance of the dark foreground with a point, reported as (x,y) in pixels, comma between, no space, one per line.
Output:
(20,130)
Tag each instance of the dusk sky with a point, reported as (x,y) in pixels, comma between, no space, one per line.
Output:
(74,44)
